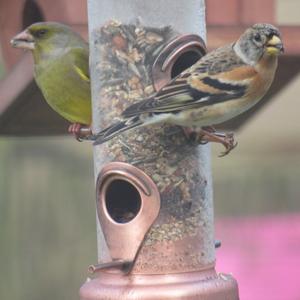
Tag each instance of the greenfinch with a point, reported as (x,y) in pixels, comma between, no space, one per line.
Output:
(61,69)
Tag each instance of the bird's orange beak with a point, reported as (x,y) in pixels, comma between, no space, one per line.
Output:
(23,40)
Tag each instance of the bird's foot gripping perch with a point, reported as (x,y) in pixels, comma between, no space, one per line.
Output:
(80,131)
(209,134)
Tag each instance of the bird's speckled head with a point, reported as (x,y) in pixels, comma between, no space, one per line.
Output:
(46,38)
(259,40)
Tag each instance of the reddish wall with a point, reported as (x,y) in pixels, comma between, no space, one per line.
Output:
(11,20)
(227,12)
(239,12)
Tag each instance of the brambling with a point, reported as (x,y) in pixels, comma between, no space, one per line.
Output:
(221,85)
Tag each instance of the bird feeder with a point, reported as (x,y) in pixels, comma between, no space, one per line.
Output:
(153,185)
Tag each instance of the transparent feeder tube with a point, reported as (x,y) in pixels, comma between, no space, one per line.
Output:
(181,171)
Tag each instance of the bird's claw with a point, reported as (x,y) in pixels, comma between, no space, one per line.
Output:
(229,143)
(74,129)
(209,134)
(201,135)
(79,131)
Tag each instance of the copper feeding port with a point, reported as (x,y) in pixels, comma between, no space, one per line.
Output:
(179,54)
(127,209)
(128,203)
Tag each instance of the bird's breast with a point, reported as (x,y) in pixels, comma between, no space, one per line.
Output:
(65,92)
(214,114)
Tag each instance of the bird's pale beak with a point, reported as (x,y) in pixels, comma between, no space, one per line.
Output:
(23,40)
(275,45)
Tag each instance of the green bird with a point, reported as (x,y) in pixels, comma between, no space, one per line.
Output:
(61,69)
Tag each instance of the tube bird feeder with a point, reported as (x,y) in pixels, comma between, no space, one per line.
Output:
(153,186)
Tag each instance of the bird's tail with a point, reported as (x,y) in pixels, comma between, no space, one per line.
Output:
(117,128)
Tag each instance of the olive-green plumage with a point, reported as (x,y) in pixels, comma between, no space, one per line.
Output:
(61,68)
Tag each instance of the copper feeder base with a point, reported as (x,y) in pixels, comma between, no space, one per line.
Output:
(204,285)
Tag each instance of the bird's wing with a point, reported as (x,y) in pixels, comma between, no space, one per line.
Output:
(217,77)
(79,59)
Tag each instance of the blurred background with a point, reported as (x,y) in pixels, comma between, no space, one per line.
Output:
(47,202)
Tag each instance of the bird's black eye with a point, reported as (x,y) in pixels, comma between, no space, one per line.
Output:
(257,37)
(41,32)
